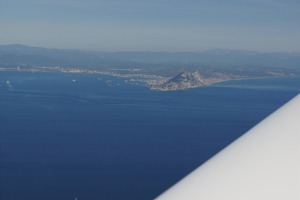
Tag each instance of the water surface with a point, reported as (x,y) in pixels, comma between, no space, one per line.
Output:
(73,135)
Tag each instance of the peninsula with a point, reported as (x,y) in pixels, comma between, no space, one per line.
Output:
(159,71)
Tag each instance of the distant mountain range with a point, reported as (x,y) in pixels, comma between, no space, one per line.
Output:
(13,55)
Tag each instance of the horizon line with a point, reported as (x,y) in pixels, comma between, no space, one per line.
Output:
(153,51)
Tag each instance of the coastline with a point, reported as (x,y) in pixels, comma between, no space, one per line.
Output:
(150,80)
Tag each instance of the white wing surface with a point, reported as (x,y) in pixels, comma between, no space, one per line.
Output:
(263,164)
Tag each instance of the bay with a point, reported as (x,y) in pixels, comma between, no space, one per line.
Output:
(64,136)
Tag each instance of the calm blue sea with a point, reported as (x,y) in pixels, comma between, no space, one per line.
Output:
(94,137)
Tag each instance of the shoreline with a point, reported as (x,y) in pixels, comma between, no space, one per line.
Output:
(148,78)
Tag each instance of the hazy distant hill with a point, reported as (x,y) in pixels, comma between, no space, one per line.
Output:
(25,55)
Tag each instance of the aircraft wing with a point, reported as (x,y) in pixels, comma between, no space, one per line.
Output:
(263,164)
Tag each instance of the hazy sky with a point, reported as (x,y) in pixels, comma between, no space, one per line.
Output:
(156,25)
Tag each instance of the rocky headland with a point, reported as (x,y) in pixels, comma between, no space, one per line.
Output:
(182,81)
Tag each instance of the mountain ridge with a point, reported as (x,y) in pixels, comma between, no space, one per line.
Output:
(21,54)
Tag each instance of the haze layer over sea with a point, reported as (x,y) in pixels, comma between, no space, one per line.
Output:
(95,137)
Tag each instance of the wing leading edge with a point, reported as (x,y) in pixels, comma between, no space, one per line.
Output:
(262,164)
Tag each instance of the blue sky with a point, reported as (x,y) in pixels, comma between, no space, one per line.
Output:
(152,25)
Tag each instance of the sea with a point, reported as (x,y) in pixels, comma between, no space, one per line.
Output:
(67,136)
